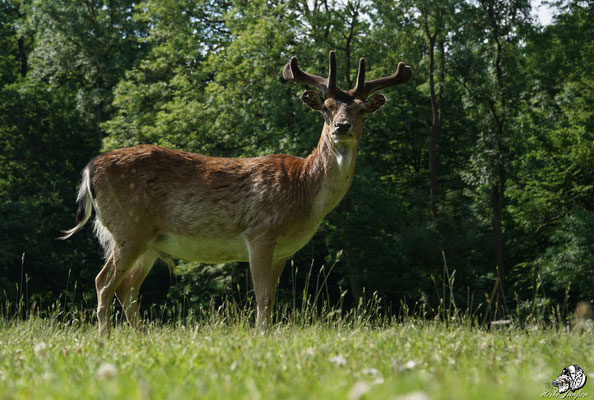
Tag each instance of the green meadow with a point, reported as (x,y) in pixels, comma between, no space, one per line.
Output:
(332,358)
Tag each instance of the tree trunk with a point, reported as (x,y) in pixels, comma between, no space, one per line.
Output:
(498,198)
(436,107)
(499,184)
(23,57)
(433,131)
(99,115)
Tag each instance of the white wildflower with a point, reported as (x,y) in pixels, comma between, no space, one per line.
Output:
(410,364)
(378,381)
(40,348)
(358,390)
(107,370)
(370,371)
(310,351)
(414,396)
(339,361)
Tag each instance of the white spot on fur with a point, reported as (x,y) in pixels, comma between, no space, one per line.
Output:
(344,161)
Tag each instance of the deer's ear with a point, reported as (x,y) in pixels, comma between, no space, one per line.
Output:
(312,99)
(374,103)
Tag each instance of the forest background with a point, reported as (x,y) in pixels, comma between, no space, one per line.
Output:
(474,184)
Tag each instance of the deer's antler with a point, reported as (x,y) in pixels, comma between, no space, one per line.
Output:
(291,72)
(363,89)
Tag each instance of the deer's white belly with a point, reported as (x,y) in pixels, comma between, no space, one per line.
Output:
(213,250)
(207,250)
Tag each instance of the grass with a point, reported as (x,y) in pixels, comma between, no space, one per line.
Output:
(333,358)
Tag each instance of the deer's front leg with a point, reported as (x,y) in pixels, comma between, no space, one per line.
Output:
(261,270)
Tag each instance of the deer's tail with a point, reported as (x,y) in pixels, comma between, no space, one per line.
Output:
(85,204)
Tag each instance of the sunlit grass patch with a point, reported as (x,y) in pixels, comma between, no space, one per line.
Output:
(336,359)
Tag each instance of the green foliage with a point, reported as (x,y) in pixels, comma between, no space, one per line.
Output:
(568,262)
(161,99)
(90,42)
(199,286)
(44,146)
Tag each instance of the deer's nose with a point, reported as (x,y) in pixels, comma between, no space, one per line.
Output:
(343,127)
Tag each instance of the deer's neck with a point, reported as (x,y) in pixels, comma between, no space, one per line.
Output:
(330,169)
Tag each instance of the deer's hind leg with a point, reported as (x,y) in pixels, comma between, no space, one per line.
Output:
(121,259)
(128,289)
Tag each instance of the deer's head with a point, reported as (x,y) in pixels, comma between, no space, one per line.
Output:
(343,111)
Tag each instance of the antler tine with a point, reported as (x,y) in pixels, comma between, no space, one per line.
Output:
(291,72)
(360,85)
(403,73)
(331,74)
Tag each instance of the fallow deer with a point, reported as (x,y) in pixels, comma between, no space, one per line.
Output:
(154,202)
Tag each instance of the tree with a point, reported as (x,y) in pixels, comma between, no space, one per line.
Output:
(92,42)
(47,136)
(488,57)
(552,190)
(433,21)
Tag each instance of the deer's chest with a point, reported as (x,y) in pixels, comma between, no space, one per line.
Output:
(336,184)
